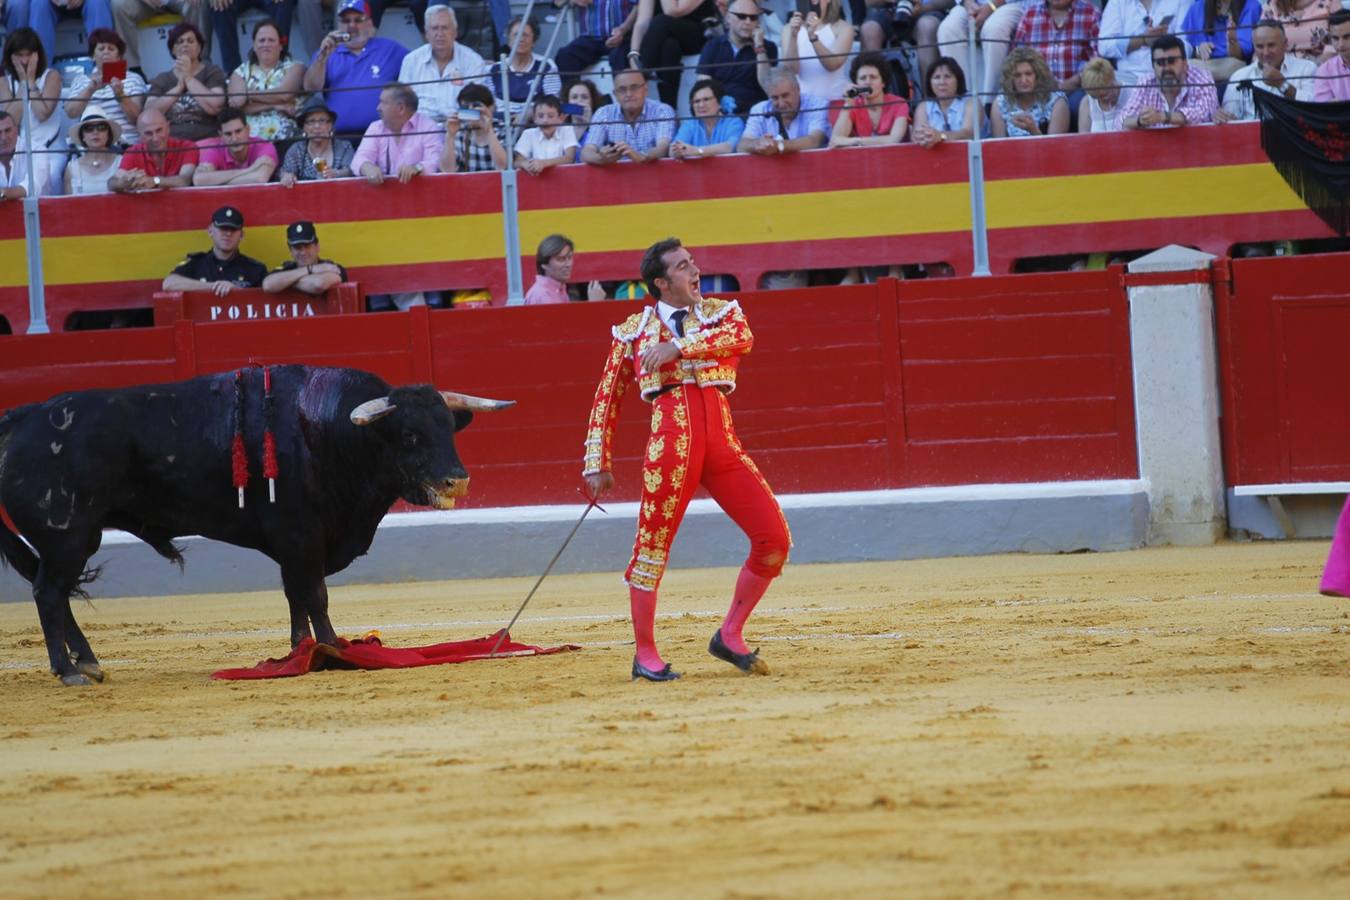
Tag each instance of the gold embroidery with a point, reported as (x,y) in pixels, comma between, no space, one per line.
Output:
(651,478)
(668,506)
(682,446)
(656,418)
(655,447)
(648,509)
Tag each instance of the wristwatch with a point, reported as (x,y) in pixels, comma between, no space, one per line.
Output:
(782,146)
(418,168)
(157,180)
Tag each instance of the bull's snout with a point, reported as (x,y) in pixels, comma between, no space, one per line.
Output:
(450,488)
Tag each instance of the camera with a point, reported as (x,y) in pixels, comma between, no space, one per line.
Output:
(855,92)
(342,37)
(904,12)
(464,114)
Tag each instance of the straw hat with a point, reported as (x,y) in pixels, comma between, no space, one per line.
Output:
(92,115)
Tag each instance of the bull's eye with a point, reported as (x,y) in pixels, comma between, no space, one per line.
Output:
(409,439)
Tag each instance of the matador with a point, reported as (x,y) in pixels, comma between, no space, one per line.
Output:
(684,352)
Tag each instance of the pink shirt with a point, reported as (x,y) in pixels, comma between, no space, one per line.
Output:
(420,141)
(546,290)
(214,153)
(1333,81)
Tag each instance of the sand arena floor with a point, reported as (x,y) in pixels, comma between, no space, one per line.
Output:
(1161,723)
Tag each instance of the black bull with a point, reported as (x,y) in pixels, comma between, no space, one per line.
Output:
(156,461)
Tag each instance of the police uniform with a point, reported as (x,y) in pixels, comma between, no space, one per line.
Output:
(290,265)
(693,440)
(239,270)
(299,234)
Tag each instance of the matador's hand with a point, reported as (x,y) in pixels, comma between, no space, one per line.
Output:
(658,356)
(598,483)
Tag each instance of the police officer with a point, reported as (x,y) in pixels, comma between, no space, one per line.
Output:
(305,270)
(222,268)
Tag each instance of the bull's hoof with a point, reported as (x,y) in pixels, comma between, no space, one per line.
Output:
(92,670)
(75,680)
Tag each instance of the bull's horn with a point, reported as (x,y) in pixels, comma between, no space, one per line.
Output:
(372,410)
(467,401)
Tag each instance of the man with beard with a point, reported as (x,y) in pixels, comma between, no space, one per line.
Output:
(684,352)
(1175,95)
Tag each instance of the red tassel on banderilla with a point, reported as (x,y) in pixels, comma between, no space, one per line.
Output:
(238,454)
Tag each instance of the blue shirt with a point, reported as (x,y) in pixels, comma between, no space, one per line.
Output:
(603,16)
(812,116)
(372,68)
(727,130)
(1192,30)
(737,70)
(655,124)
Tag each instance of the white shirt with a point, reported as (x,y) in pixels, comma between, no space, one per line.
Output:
(438,92)
(533,144)
(17,173)
(812,75)
(1297,70)
(1123,20)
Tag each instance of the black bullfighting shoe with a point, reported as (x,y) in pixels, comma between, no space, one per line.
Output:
(749,663)
(641,671)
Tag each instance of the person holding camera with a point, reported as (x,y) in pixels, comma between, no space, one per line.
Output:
(472,142)
(353,66)
(402,144)
(871,116)
(118,94)
(816,49)
(1031,104)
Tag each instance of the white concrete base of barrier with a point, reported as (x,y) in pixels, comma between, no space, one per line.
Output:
(837,527)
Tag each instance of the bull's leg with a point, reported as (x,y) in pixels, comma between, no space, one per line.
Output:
(308,598)
(85,661)
(52,595)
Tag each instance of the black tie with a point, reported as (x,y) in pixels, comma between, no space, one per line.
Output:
(677,319)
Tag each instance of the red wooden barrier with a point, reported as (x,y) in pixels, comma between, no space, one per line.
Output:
(1014,378)
(248,304)
(1284,326)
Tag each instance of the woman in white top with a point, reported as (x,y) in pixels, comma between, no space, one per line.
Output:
(26,71)
(948,114)
(1099,110)
(817,49)
(95,137)
(119,98)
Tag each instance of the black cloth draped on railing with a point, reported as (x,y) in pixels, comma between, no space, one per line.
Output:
(1309,144)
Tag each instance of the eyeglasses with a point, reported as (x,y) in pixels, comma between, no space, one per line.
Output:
(626,89)
(98,126)
(747,17)
(1166,60)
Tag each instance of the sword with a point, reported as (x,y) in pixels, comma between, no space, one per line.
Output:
(549,568)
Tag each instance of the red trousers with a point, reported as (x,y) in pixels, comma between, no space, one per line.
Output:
(694,443)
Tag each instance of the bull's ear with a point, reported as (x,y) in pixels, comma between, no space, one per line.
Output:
(372,410)
(467,401)
(462,419)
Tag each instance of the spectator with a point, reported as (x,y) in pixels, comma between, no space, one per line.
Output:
(439,69)
(787,122)
(1273,68)
(118,98)
(949,112)
(1178,95)
(1333,76)
(1030,104)
(305,271)
(741,58)
(603,29)
(928,16)
(1064,32)
(222,268)
(995,23)
(42,16)
(816,49)
(1099,110)
(664,33)
(95,138)
(236,158)
(581,98)
(26,72)
(522,70)
(873,117)
(225,23)
(353,65)
(713,129)
(1305,25)
(472,142)
(192,93)
(128,15)
(320,156)
(402,144)
(553,262)
(159,162)
(549,143)
(267,87)
(1129,27)
(1218,33)
(14,183)
(632,128)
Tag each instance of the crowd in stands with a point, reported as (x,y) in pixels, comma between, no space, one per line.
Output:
(811,74)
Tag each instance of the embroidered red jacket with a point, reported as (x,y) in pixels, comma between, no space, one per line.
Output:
(715,337)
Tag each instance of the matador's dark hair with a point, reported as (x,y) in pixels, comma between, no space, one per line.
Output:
(654,265)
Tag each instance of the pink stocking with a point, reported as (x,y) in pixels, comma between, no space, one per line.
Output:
(643,605)
(749,589)
(1336,576)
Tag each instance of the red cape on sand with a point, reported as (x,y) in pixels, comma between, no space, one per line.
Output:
(369,652)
